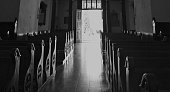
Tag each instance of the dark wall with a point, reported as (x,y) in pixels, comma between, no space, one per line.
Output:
(9,9)
(163,27)
(115,16)
(63,14)
(161,10)
(4,28)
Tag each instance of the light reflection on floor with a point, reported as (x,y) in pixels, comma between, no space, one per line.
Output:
(93,60)
(82,73)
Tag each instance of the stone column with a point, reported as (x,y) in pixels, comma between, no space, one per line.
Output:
(53,16)
(124,14)
(130,20)
(28,16)
(143,16)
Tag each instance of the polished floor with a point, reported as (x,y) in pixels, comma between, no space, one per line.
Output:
(83,72)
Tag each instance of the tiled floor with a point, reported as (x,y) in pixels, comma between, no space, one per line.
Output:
(83,73)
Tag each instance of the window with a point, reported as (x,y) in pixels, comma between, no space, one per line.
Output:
(83,4)
(98,3)
(94,4)
(91,4)
(42,14)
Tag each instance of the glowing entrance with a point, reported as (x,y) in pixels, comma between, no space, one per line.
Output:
(92,25)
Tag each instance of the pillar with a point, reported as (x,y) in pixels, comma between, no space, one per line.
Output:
(130,20)
(143,16)
(28,16)
(53,16)
(124,15)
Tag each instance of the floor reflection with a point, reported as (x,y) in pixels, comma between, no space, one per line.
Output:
(83,72)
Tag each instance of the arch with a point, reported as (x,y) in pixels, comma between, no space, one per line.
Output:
(42,13)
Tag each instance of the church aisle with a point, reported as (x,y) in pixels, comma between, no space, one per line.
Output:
(83,73)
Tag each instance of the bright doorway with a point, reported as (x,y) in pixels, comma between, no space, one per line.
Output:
(92,25)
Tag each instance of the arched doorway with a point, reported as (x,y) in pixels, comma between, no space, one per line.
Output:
(89,21)
(92,25)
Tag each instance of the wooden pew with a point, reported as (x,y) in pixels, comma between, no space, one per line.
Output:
(137,36)
(45,39)
(146,53)
(68,46)
(122,53)
(143,43)
(39,60)
(9,79)
(144,47)
(48,61)
(25,58)
(51,41)
(41,56)
(47,55)
(72,39)
(107,61)
(140,53)
(111,67)
(114,69)
(109,64)
(49,66)
(29,77)
(61,36)
(137,48)
(135,67)
(54,55)
(40,67)
(125,37)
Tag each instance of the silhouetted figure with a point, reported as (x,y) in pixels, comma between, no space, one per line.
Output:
(165,38)
(149,82)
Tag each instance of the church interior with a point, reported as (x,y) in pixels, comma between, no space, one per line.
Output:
(84,46)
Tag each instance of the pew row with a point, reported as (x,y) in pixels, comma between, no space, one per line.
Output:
(114,61)
(136,67)
(122,53)
(38,69)
(10,70)
(25,59)
(69,46)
